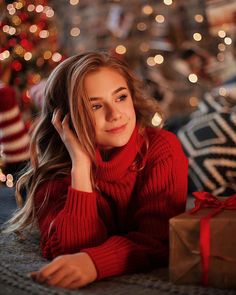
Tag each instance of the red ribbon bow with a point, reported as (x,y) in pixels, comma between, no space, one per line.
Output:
(207,200)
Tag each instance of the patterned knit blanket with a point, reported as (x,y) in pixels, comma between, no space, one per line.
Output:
(17,258)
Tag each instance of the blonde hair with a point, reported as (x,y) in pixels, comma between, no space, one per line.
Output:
(65,90)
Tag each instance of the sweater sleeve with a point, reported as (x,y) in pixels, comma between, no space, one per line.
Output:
(68,219)
(160,195)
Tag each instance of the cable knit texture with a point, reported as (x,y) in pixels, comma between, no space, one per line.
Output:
(123,226)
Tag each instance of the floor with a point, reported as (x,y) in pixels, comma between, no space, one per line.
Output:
(18,258)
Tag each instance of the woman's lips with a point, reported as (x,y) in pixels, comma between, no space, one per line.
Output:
(117,129)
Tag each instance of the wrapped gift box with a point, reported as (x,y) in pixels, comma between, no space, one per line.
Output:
(185,253)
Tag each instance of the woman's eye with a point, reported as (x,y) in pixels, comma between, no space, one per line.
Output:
(122,97)
(96,107)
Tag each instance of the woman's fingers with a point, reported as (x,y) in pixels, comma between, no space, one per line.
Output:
(33,275)
(62,126)
(61,278)
(47,271)
(57,274)
(67,281)
(67,271)
(69,138)
(56,120)
(65,123)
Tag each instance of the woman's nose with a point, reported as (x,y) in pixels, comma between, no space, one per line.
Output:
(113,113)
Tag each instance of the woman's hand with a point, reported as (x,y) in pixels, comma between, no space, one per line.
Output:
(67,271)
(69,138)
(81,163)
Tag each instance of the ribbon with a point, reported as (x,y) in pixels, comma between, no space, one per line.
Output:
(207,200)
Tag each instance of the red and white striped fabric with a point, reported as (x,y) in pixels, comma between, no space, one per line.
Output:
(14,139)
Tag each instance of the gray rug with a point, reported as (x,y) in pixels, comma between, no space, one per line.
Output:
(17,258)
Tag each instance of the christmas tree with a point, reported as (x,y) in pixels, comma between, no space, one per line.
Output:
(28,52)
(28,43)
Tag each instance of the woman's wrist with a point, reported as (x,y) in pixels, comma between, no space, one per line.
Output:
(81,179)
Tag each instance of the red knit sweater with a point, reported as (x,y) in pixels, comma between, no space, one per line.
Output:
(123,227)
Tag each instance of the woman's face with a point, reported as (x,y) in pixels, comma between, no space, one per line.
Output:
(112,106)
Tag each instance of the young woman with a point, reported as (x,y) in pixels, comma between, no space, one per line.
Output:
(103,183)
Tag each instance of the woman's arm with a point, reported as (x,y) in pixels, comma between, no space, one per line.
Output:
(141,248)
(68,220)
(161,196)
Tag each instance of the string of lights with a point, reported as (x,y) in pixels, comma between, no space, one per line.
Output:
(36,36)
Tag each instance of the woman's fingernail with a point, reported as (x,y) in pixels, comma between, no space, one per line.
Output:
(33,275)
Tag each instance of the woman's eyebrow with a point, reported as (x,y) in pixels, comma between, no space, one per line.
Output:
(114,92)
(118,90)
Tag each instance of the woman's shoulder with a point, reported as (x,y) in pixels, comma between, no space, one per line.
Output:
(162,137)
(163,143)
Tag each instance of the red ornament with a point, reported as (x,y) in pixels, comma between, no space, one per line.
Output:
(2,24)
(26,44)
(23,35)
(16,65)
(17,81)
(42,25)
(23,16)
(12,42)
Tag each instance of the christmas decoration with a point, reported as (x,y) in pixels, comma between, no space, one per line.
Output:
(28,43)
(28,53)
(181,49)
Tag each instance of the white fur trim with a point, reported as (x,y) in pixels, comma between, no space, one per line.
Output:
(12,113)
(16,144)
(12,129)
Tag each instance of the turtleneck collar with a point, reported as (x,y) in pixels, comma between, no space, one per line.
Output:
(120,160)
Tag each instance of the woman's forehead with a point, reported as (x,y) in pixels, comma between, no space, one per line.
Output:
(103,80)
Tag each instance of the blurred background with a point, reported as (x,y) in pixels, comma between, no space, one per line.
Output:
(181,49)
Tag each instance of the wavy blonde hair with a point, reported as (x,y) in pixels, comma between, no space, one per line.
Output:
(65,90)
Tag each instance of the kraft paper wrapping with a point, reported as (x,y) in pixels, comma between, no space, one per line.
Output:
(185,259)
